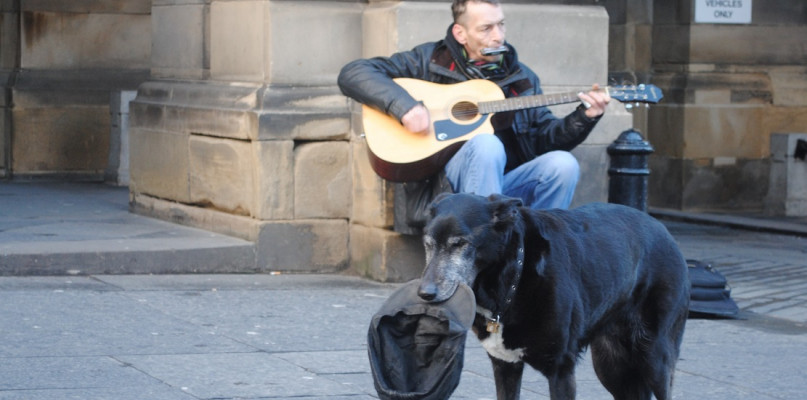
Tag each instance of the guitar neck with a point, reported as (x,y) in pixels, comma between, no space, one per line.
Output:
(520,103)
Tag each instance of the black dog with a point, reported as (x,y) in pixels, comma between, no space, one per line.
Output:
(550,283)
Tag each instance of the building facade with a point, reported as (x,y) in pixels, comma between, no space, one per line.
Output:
(236,124)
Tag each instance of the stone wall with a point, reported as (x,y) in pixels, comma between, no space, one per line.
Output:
(242,130)
(728,87)
(59,63)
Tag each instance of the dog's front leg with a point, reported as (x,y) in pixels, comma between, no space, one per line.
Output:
(508,378)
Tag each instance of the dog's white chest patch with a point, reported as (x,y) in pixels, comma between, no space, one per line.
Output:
(494,343)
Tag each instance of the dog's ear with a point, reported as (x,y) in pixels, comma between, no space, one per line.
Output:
(440,197)
(432,209)
(505,209)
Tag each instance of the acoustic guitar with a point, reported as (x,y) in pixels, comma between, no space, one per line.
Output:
(459,112)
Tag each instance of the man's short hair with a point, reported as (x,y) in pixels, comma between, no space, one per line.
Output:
(459,6)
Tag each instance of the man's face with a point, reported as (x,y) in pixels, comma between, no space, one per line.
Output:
(481,26)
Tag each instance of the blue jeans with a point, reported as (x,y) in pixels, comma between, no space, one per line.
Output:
(547,181)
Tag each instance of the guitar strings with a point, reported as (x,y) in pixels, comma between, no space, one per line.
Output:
(465,110)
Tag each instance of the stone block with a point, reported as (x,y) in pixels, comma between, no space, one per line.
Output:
(62,40)
(413,22)
(210,108)
(61,119)
(721,185)
(372,196)
(747,44)
(303,246)
(787,190)
(723,131)
(60,140)
(322,180)
(593,185)
(259,40)
(93,6)
(782,119)
(384,255)
(159,164)
(203,218)
(712,86)
(239,40)
(708,131)
(221,174)
(304,113)
(789,87)
(243,111)
(332,37)
(274,179)
(72,87)
(181,40)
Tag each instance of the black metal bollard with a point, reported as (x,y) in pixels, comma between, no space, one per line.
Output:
(628,171)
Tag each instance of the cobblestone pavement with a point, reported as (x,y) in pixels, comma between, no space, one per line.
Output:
(767,272)
(188,336)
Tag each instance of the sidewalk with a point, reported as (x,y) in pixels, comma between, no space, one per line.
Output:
(224,336)
(86,228)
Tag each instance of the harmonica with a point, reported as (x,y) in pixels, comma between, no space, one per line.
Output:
(494,51)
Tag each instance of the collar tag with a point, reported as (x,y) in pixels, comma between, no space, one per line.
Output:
(492,325)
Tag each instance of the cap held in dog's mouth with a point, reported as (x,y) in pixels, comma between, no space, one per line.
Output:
(416,347)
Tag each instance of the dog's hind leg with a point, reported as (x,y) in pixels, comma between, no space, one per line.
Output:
(617,368)
(662,355)
(508,378)
(562,385)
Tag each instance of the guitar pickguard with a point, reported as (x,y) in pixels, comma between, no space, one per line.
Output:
(447,129)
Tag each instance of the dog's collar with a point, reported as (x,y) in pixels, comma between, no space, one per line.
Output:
(493,323)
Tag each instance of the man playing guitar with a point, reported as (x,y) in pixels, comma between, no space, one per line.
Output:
(527,156)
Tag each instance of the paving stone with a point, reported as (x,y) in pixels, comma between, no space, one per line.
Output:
(241,375)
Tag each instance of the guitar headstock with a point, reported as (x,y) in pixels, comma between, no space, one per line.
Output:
(642,93)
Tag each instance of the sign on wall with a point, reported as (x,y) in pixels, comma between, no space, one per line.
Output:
(723,11)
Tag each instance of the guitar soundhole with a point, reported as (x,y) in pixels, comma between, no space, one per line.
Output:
(465,111)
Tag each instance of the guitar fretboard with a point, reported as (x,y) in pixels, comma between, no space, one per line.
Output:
(520,103)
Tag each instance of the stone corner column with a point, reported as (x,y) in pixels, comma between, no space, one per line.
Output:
(243,131)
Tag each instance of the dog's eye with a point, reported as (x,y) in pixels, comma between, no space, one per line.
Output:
(456,242)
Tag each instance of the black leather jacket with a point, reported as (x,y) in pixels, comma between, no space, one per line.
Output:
(525,133)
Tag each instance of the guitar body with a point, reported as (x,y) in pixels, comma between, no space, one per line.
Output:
(459,112)
(399,155)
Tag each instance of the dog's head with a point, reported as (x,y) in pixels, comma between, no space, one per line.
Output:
(465,234)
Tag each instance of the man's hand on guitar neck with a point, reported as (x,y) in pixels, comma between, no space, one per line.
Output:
(595,101)
(417,119)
